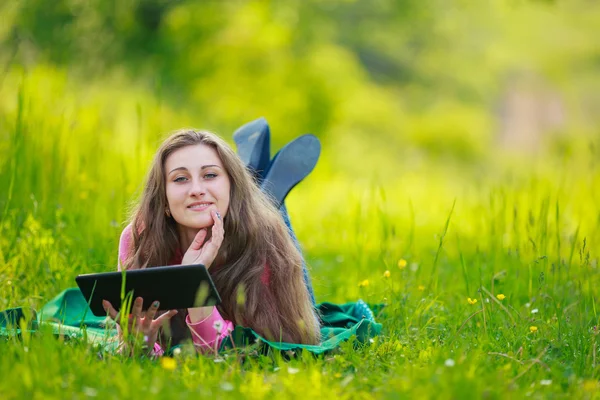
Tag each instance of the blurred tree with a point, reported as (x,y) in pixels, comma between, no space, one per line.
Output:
(406,71)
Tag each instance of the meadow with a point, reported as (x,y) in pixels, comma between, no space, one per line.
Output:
(484,256)
(487,272)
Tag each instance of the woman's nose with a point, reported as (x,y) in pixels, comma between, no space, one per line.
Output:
(197,188)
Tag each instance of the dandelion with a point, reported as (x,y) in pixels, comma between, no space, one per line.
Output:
(402,263)
(533,329)
(471,301)
(534,311)
(386,274)
(500,297)
(421,288)
(546,382)
(449,363)
(364,283)
(168,363)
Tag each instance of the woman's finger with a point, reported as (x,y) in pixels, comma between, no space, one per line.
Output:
(157,323)
(150,315)
(137,307)
(112,313)
(136,313)
(217,231)
(198,240)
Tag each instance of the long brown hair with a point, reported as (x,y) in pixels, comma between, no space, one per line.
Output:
(256,240)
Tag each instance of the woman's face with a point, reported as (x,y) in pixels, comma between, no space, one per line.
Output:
(196,183)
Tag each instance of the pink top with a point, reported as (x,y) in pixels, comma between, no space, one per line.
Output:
(207,334)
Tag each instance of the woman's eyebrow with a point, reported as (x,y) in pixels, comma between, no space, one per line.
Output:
(210,165)
(203,167)
(177,169)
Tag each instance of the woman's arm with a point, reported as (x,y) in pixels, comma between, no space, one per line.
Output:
(125,243)
(208,328)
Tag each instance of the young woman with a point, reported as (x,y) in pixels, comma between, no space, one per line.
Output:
(201,206)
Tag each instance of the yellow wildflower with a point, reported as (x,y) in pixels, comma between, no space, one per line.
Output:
(402,263)
(386,274)
(421,288)
(533,329)
(500,296)
(590,385)
(168,363)
(471,301)
(364,283)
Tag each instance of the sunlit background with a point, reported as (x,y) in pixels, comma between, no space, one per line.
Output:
(417,104)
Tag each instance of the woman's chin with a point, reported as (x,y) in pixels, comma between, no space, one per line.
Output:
(197,223)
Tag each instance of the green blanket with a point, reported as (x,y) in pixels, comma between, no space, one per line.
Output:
(68,314)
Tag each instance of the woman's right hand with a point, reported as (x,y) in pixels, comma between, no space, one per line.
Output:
(140,323)
(205,253)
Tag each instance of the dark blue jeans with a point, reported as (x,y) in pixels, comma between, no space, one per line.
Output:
(307,281)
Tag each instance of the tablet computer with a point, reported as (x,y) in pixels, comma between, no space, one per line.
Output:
(175,287)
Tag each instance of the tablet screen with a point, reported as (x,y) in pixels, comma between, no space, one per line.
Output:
(175,287)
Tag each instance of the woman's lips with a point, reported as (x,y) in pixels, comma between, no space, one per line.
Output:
(199,206)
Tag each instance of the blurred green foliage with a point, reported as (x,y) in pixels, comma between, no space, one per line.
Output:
(404,73)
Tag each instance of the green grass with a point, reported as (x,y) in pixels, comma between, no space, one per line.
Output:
(72,160)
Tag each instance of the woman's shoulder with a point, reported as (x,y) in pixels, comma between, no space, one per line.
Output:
(125,243)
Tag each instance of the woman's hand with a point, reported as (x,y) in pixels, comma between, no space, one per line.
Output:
(140,323)
(205,253)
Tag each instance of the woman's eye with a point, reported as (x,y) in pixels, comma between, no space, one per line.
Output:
(210,175)
(180,179)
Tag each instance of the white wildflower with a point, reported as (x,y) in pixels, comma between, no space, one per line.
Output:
(90,392)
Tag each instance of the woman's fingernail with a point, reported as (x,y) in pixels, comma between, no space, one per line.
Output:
(105,304)
(156,304)
(218,215)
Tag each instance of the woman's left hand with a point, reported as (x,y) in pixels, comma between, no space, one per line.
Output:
(138,323)
(205,253)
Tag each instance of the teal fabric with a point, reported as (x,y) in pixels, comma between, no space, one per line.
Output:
(68,314)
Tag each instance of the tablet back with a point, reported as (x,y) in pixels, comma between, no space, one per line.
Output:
(175,287)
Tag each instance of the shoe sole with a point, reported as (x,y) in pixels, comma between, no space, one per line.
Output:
(253,142)
(291,165)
